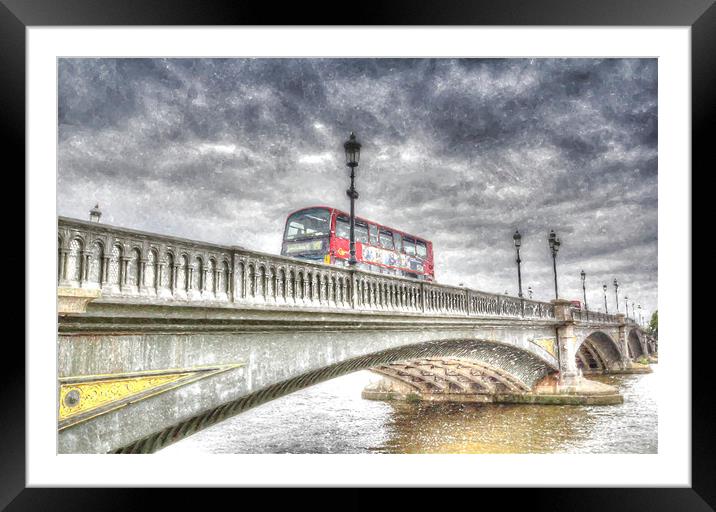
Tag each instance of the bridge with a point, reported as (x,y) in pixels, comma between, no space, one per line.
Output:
(160,337)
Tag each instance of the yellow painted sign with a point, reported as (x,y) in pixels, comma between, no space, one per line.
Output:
(87,396)
(547,344)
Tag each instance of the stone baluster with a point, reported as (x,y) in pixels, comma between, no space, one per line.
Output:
(353,290)
(173,284)
(204,279)
(271,279)
(62,266)
(104,271)
(84,273)
(124,265)
(160,273)
(142,278)
(290,286)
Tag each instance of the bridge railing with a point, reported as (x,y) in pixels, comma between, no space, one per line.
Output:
(583,315)
(140,266)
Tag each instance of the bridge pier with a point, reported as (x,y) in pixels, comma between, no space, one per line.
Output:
(570,381)
(569,375)
(623,341)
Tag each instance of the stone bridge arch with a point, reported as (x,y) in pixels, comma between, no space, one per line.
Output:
(636,344)
(523,367)
(599,352)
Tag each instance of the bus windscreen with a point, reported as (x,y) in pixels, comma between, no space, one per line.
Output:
(308,224)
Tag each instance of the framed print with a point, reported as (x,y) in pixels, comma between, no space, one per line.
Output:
(429,247)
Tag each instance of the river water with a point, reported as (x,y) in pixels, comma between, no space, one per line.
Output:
(331,417)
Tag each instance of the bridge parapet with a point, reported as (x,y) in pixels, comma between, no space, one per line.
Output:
(130,263)
(594,317)
(137,266)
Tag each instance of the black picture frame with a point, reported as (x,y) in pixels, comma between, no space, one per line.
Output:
(17,15)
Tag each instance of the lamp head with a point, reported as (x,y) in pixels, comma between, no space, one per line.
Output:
(352,149)
(95,213)
(517,238)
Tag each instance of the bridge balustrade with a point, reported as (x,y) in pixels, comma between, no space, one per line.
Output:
(593,317)
(146,267)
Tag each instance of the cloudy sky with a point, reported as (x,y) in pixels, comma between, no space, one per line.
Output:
(461,152)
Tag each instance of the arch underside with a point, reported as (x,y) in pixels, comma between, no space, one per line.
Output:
(449,375)
(598,353)
(507,364)
(634,345)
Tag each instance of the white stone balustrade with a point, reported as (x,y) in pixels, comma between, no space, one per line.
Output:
(143,266)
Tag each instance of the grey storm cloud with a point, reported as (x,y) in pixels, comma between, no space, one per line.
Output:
(459,151)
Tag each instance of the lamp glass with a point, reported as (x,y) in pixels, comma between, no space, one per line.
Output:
(517,238)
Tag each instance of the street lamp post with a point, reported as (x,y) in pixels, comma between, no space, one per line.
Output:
(352,148)
(641,321)
(606,310)
(518,242)
(584,292)
(633,311)
(626,306)
(616,292)
(554,244)
(95,213)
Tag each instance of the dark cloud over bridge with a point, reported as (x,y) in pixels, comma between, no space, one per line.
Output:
(461,152)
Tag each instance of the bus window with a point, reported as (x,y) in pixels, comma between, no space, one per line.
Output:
(421,249)
(409,246)
(398,241)
(308,224)
(373,235)
(343,227)
(386,239)
(361,231)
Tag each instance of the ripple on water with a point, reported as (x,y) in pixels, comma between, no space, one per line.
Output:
(331,417)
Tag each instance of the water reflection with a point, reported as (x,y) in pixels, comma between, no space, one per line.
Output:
(499,428)
(332,418)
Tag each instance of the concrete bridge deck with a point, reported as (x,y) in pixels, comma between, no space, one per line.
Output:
(159,337)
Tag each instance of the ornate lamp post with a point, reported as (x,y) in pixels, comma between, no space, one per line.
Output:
(352,148)
(95,213)
(554,244)
(518,242)
(616,292)
(641,321)
(529,291)
(584,291)
(626,306)
(606,310)
(633,311)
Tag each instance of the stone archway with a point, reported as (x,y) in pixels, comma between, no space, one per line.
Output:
(514,364)
(635,346)
(599,353)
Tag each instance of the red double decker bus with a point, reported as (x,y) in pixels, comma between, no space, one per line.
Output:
(322,233)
